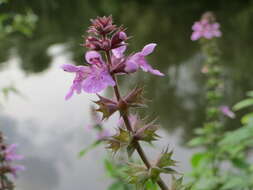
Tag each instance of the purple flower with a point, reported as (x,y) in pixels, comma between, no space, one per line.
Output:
(10,153)
(93,78)
(81,73)
(97,80)
(137,60)
(103,134)
(227,112)
(205,29)
(16,168)
(119,52)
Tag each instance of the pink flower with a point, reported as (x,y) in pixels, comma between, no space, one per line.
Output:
(205,29)
(137,60)
(81,73)
(17,168)
(103,134)
(227,112)
(10,153)
(93,78)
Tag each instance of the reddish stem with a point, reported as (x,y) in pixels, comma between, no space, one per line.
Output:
(138,147)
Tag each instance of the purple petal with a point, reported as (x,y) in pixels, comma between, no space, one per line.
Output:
(216,26)
(227,112)
(97,82)
(92,55)
(208,34)
(69,94)
(103,134)
(148,49)
(17,168)
(195,36)
(122,35)
(148,68)
(69,68)
(131,67)
(197,26)
(119,52)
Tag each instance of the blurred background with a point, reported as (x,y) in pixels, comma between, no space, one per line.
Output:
(51,131)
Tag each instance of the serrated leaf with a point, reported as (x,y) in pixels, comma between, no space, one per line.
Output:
(177,184)
(121,139)
(165,159)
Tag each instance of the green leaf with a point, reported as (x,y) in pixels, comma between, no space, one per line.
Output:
(241,163)
(121,139)
(90,147)
(197,141)
(177,184)
(197,159)
(165,159)
(243,104)
(151,186)
(250,93)
(248,118)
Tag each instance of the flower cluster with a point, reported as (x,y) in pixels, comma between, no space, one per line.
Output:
(7,156)
(97,74)
(206,28)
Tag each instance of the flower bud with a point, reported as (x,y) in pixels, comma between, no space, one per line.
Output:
(93,43)
(101,26)
(117,39)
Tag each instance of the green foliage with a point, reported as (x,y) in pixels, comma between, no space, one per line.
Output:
(10,23)
(218,145)
(122,139)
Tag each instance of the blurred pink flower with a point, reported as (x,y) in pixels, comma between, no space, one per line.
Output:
(227,112)
(10,153)
(205,29)
(17,168)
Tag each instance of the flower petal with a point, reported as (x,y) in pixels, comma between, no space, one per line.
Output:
(97,81)
(119,52)
(92,55)
(69,67)
(148,49)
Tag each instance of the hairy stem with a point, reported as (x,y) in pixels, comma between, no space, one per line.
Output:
(138,147)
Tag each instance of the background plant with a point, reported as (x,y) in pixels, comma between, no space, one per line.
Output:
(222,162)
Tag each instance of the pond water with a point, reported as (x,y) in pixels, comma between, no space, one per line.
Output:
(51,131)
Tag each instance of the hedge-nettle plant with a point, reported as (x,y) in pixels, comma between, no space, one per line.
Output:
(105,61)
(207,163)
(7,166)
